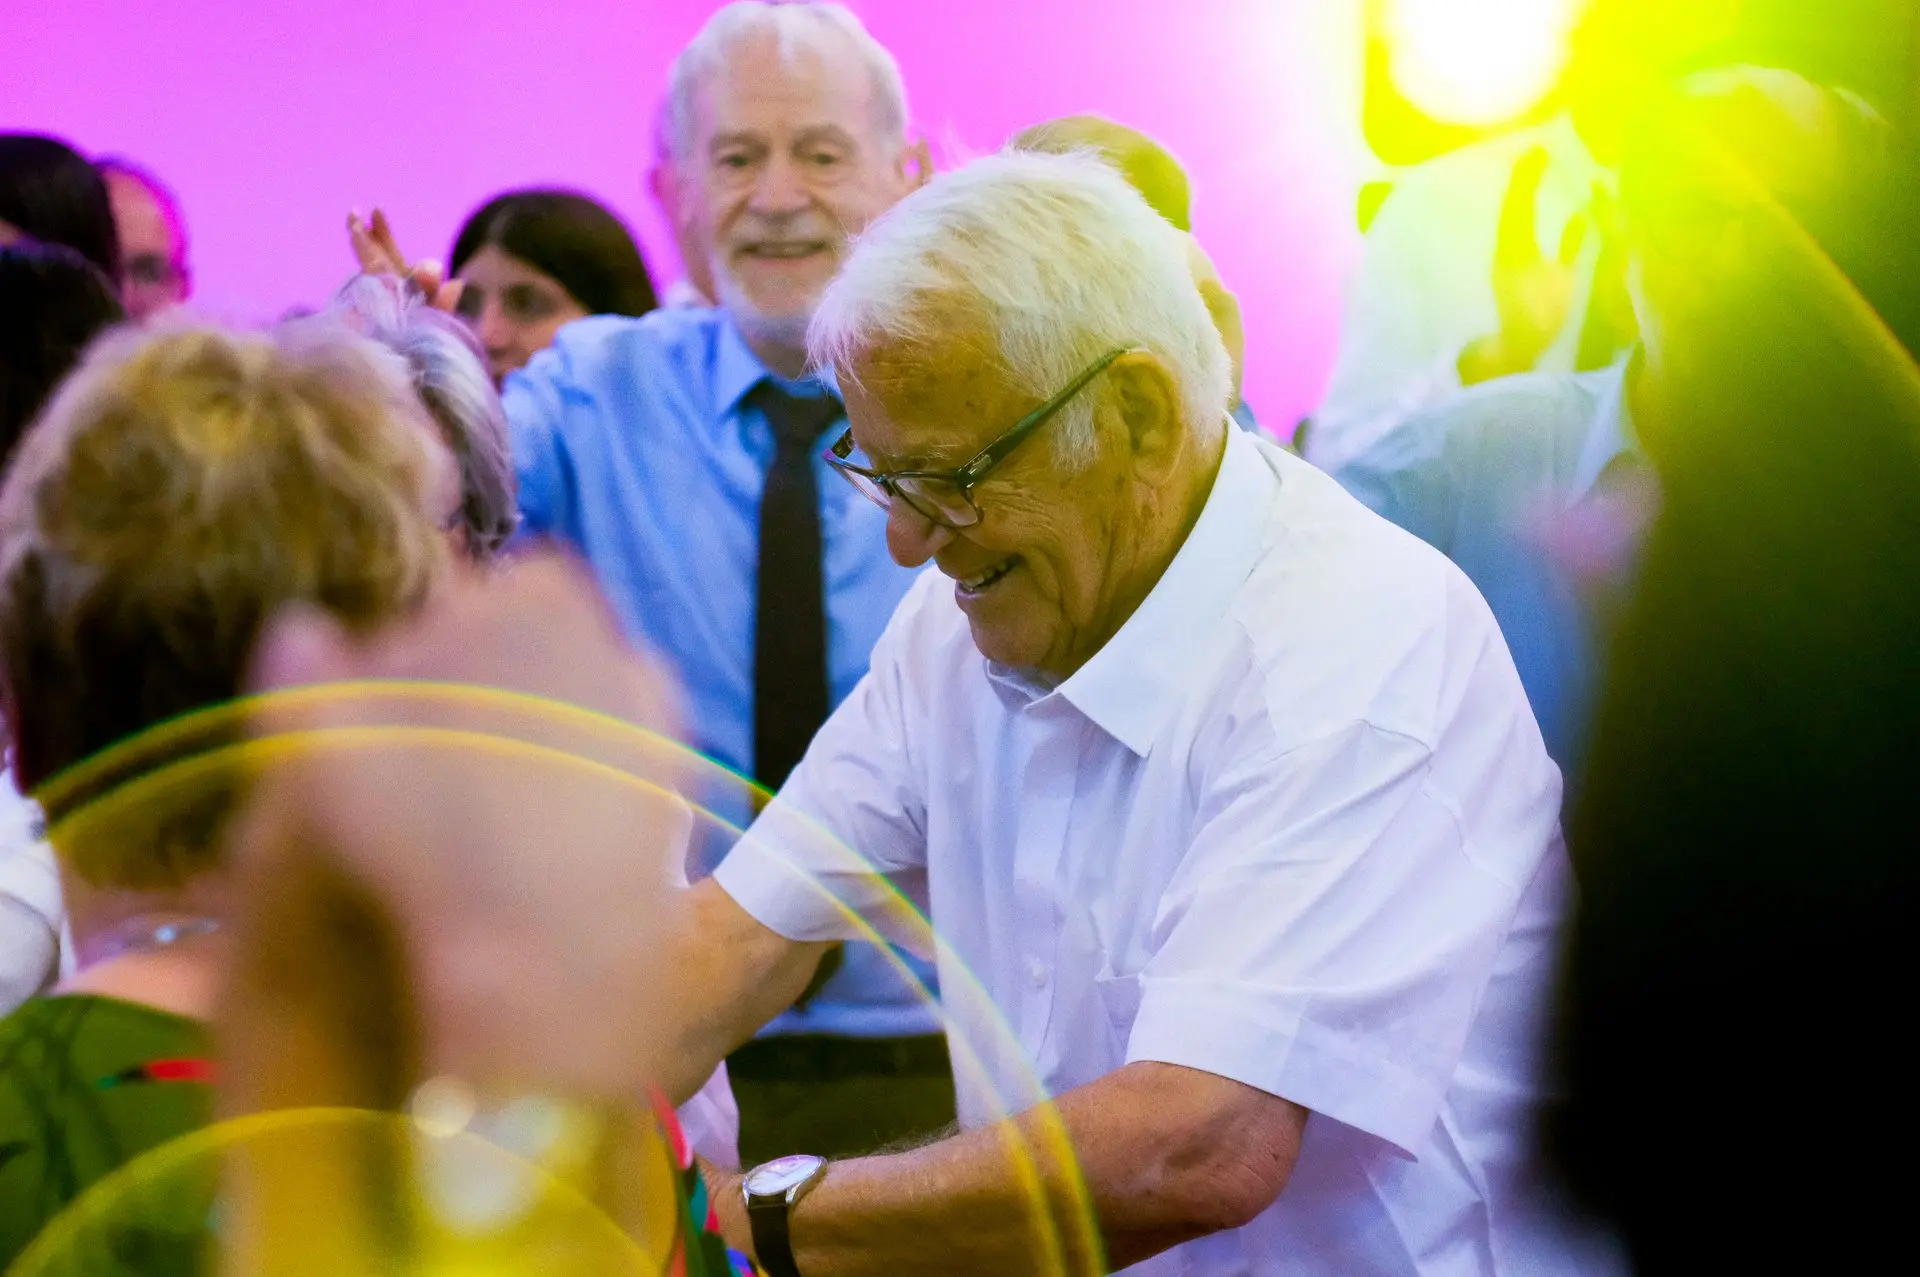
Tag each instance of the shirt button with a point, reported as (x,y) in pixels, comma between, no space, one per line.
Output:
(1037,972)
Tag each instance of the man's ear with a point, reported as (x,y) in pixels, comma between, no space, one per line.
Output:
(1147,400)
(666,193)
(916,163)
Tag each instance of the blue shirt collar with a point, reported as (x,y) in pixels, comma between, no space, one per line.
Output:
(737,370)
(1612,434)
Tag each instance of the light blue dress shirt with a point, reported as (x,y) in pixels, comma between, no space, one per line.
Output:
(636,445)
(1475,478)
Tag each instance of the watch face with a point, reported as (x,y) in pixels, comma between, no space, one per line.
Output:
(782,1173)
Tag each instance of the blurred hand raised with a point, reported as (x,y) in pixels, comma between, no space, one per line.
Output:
(378,252)
(1533,291)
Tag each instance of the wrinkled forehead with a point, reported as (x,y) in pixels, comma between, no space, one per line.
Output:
(758,88)
(929,404)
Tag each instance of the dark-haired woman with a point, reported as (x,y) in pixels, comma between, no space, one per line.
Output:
(531,260)
(51,193)
(53,302)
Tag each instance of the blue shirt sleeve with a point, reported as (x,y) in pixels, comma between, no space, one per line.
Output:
(1403,477)
(536,402)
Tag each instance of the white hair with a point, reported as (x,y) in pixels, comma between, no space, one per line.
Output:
(1056,259)
(448,371)
(796,26)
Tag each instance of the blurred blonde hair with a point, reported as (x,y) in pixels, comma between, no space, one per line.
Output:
(1149,167)
(183,485)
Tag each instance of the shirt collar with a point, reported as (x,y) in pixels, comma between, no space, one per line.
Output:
(1612,434)
(1132,683)
(737,370)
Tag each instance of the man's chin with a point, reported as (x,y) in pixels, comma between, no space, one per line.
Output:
(1002,648)
(778,330)
(781,324)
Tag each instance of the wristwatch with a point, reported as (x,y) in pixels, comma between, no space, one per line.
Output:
(772,1189)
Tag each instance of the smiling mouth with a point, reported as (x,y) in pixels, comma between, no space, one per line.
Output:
(975,586)
(785,251)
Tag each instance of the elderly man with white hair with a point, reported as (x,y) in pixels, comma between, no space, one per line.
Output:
(1224,789)
(1221,792)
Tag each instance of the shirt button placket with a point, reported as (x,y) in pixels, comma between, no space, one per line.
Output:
(1046,800)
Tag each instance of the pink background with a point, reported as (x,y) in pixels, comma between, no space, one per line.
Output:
(273,118)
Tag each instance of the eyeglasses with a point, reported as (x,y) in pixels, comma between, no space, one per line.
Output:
(945,497)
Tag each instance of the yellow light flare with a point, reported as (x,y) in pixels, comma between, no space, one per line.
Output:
(1477,62)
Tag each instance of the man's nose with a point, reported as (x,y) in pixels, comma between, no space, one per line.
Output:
(913,538)
(781,190)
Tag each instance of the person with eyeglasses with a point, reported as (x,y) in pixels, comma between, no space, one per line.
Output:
(1186,747)
(1238,840)
(155,273)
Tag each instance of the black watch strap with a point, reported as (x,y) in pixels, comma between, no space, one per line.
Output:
(768,1218)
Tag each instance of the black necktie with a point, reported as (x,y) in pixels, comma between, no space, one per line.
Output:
(790,621)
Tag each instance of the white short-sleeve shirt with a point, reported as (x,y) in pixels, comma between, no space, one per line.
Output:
(1292,825)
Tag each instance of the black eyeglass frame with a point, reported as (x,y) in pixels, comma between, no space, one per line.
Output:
(964,479)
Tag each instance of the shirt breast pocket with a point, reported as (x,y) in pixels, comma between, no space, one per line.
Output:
(1119,998)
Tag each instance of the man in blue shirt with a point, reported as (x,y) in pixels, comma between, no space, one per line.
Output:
(680,453)
(1534,486)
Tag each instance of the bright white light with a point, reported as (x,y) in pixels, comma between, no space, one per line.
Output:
(1477,61)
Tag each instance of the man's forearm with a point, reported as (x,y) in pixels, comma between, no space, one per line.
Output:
(732,975)
(1159,1156)
(997,1200)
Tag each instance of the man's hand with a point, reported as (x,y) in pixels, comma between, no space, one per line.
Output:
(1165,1154)
(378,252)
(1532,291)
(729,1206)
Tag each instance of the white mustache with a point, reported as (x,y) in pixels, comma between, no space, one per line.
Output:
(808,232)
